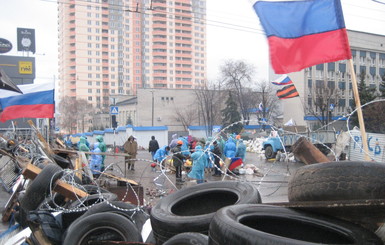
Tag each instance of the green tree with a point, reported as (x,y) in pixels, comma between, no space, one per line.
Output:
(230,115)
(382,86)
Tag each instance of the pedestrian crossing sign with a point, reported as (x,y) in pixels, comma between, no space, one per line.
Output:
(114,110)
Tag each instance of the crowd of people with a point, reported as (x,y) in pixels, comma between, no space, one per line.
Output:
(206,154)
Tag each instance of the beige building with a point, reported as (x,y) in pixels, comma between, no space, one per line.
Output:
(368,51)
(115,47)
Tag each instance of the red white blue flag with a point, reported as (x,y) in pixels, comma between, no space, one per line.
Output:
(37,101)
(303,33)
(283,80)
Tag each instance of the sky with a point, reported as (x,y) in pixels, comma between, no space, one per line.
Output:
(233,32)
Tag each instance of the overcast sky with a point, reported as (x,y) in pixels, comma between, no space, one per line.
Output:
(233,31)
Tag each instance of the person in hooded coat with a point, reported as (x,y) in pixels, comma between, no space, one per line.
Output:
(161,154)
(173,141)
(153,146)
(199,162)
(241,150)
(102,147)
(83,146)
(131,148)
(96,161)
(184,147)
(230,148)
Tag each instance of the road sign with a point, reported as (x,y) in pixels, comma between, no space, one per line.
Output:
(331,107)
(114,110)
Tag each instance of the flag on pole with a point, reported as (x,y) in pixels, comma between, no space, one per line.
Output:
(37,101)
(303,33)
(283,80)
(287,92)
(260,107)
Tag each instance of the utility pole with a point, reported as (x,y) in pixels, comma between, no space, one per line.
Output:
(152,109)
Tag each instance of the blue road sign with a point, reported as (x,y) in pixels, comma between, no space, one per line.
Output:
(114,110)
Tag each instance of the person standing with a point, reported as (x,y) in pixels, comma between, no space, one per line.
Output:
(199,162)
(153,146)
(241,150)
(96,161)
(173,141)
(217,152)
(177,159)
(102,147)
(82,145)
(131,148)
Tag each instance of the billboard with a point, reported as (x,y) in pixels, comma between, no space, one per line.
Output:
(21,70)
(5,46)
(26,39)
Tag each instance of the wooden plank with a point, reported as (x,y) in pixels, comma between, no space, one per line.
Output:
(118,178)
(90,153)
(305,151)
(78,167)
(67,190)
(45,145)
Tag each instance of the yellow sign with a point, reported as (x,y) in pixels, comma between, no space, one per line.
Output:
(25,67)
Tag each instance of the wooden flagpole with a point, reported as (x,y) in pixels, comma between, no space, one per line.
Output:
(359,111)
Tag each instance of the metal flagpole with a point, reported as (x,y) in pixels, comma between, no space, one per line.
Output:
(359,112)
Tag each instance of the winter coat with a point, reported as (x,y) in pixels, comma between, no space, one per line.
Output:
(83,146)
(153,146)
(230,148)
(96,161)
(131,147)
(161,154)
(177,157)
(241,150)
(199,163)
(173,141)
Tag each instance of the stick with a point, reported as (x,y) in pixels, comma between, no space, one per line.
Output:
(359,111)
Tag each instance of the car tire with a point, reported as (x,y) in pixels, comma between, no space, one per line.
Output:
(191,209)
(268,224)
(188,238)
(269,153)
(345,180)
(102,227)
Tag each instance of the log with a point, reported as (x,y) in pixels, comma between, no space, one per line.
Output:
(306,152)
(67,190)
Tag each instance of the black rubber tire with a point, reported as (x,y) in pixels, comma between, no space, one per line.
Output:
(191,209)
(138,217)
(269,153)
(188,238)
(61,161)
(345,180)
(102,227)
(38,190)
(93,189)
(77,209)
(267,224)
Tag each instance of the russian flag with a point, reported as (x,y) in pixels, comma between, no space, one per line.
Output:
(283,80)
(37,101)
(303,33)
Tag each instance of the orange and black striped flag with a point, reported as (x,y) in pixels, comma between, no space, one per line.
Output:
(287,92)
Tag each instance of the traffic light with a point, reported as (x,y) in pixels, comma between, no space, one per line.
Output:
(114,122)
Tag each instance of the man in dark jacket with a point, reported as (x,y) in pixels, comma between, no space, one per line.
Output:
(177,159)
(217,157)
(153,146)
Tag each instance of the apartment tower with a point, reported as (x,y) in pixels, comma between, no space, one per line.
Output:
(113,47)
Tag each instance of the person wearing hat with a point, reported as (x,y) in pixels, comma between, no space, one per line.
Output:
(177,159)
(131,148)
(217,152)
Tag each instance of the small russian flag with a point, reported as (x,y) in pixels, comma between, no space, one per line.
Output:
(235,162)
(283,80)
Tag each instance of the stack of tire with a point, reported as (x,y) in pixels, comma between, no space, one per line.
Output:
(95,217)
(228,212)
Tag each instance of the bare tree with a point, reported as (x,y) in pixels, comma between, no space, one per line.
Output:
(320,104)
(267,102)
(186,115)
(237,75)
(209,107)
(73,112)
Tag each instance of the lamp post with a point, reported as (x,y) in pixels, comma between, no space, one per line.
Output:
(152,109)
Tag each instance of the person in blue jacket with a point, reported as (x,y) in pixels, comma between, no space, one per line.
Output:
(82,145)
(184,147)
(241,150)
(96,161)
(161,154)
(230,148)
(199,162)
